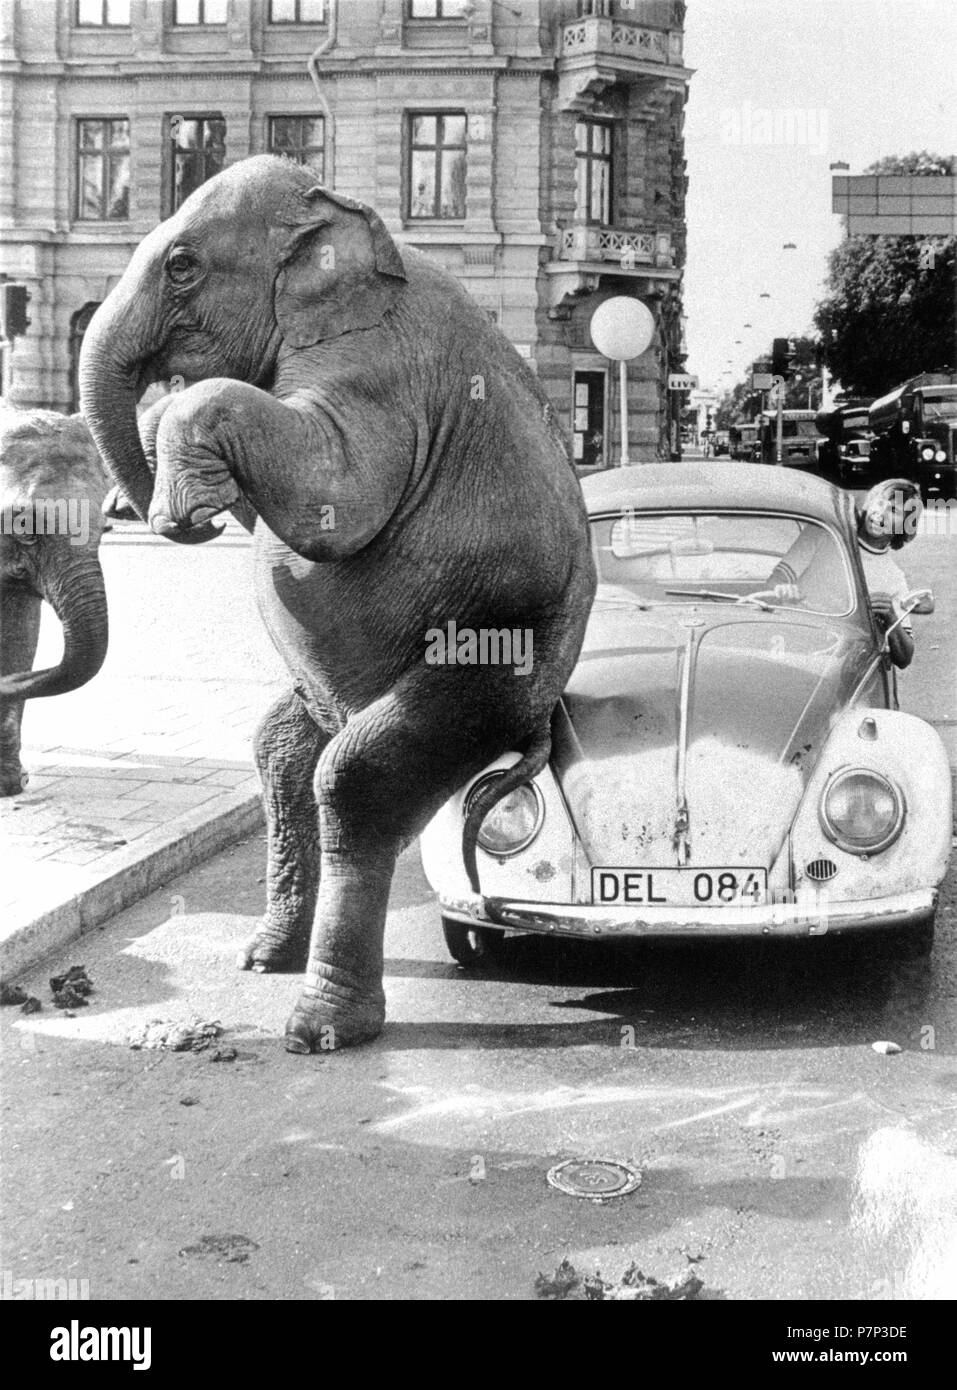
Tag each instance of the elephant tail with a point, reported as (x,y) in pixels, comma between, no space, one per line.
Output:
(534,758)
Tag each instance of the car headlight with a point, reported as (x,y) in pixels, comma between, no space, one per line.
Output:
(927,453)
(861,811)
(940,456)
(513,823)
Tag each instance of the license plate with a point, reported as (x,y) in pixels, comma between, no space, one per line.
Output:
(669,887)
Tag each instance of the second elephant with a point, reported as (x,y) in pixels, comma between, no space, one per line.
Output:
(52,487)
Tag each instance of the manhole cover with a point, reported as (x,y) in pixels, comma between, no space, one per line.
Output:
(594,1177)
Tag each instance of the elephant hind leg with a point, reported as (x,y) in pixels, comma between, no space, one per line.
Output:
(287,746)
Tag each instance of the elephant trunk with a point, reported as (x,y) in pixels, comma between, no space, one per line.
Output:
(76,592)
(109,381)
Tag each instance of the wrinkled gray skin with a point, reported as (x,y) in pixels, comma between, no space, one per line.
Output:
(46,457)
(324,370)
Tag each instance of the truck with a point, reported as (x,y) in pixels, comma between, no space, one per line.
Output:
(915,432)
(844,454)
(799,438)
(744,441)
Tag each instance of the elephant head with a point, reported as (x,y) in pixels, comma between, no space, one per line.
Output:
(52,487)
(257,263)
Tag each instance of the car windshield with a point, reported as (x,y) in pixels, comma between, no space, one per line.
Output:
(941,408)
(720,557)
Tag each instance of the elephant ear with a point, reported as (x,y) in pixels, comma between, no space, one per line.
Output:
(341,272)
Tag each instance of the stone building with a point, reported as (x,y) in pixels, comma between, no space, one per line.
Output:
(534,147)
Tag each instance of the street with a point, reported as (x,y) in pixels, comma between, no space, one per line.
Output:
(781,1155)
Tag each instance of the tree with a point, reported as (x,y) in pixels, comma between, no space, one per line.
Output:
(742,403)
(889,309)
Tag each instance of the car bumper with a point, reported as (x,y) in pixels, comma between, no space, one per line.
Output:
(809,917)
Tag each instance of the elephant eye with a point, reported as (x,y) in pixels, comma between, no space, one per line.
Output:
(179,265)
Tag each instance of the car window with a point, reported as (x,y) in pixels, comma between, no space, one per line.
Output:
(653,553)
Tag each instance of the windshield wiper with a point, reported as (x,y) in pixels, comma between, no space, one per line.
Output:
(714,593)
(642,604)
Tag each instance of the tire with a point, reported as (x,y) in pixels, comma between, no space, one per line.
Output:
(472,945)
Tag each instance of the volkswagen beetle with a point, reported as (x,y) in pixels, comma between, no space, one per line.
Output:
(724,761)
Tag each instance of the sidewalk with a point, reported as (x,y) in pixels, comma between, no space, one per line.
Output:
(147,770)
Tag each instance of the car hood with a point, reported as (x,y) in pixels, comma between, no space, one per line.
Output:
(761,693)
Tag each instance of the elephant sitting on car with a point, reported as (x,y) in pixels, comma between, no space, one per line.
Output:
(52,487)
(400,467)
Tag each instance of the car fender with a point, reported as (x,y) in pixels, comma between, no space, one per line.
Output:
(541,873)
(909,752)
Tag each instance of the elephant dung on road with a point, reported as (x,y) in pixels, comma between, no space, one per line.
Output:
(52,487)
(404,472)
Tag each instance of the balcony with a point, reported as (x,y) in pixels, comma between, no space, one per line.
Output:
(597,51)
(584,255)
(628,249)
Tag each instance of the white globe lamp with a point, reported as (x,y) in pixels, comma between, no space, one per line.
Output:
(622,329)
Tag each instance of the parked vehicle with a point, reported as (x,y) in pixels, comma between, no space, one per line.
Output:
(724,763)
(799,438)
(722,444)
(854,463)
(744,442)
(844,454)
(915,429)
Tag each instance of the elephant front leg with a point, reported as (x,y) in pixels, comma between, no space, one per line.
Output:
(20,619)
(342,1001)
(13,779)
(286,747)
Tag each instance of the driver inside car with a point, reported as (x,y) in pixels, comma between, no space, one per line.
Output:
(886,522)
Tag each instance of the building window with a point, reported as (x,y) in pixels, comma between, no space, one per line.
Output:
(439,9)
(199,11)
(197,152)
(588,418)
(297,11)
(103,14)
(301,138)
(593,172)
(437,165)
(79,323)
(103,170)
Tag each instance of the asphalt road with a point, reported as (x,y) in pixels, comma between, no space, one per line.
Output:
(781,1156)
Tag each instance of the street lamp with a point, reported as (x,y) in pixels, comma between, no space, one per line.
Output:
(622,329)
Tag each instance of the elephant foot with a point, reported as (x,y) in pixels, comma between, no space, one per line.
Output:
(330,1016)
(274,951)
(13,781)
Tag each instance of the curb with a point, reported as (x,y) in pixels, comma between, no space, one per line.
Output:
(125,876)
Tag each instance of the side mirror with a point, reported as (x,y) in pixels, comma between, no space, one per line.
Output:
(919,601)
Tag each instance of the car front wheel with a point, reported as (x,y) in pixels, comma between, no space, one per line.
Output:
(471,945)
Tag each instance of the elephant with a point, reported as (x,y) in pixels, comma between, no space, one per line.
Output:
(399,466)
(52,487)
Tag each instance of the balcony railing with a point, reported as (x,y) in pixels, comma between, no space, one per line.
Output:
(628,249)
(598,35)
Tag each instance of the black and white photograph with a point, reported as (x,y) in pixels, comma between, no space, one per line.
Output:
(478,685)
